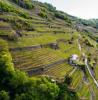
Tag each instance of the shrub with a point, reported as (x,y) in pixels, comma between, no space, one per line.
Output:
(58,15)
(4,95)
(68,80)
(28,4)
(25,15)
(5,7)
(63,17)
(65,93)
(50,7)
(43,14)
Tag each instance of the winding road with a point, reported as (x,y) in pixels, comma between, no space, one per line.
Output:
(86,63)
(89,70)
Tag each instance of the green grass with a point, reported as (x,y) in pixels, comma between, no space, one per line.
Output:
(96,72)
(68,52)
(7,32)
(23,41)
(42,39)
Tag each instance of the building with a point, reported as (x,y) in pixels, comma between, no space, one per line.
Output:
(73,59)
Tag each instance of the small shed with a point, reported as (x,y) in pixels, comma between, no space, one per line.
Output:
(73,59)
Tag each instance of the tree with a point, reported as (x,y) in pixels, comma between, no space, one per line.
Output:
(4,95)
(43,14)
(65,93)
(68,80)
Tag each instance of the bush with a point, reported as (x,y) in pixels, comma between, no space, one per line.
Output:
(50,7)
(43,14)
(4,95)
(65,93)
(24,15)
(58,15)
(28,4)
(63,17)
(5,7)
(67,80)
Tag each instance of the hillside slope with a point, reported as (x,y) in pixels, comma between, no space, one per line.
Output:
(44,42)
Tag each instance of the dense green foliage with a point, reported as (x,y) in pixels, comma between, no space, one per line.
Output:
(63,17)
(6,7)
(4,95)
(65,93)
(28,4)
(43,14)
(50,7)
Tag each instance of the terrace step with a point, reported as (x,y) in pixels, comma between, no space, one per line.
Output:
(25,48)
(40,69)
(51,45)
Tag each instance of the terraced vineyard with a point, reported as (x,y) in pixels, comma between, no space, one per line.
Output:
(47,61)
(77,77)
(43,45)
(31,59)
(58,71)
(84,91)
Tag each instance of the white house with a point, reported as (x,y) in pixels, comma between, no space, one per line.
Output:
(73,59)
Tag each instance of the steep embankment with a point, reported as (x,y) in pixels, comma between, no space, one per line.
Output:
(41,41)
